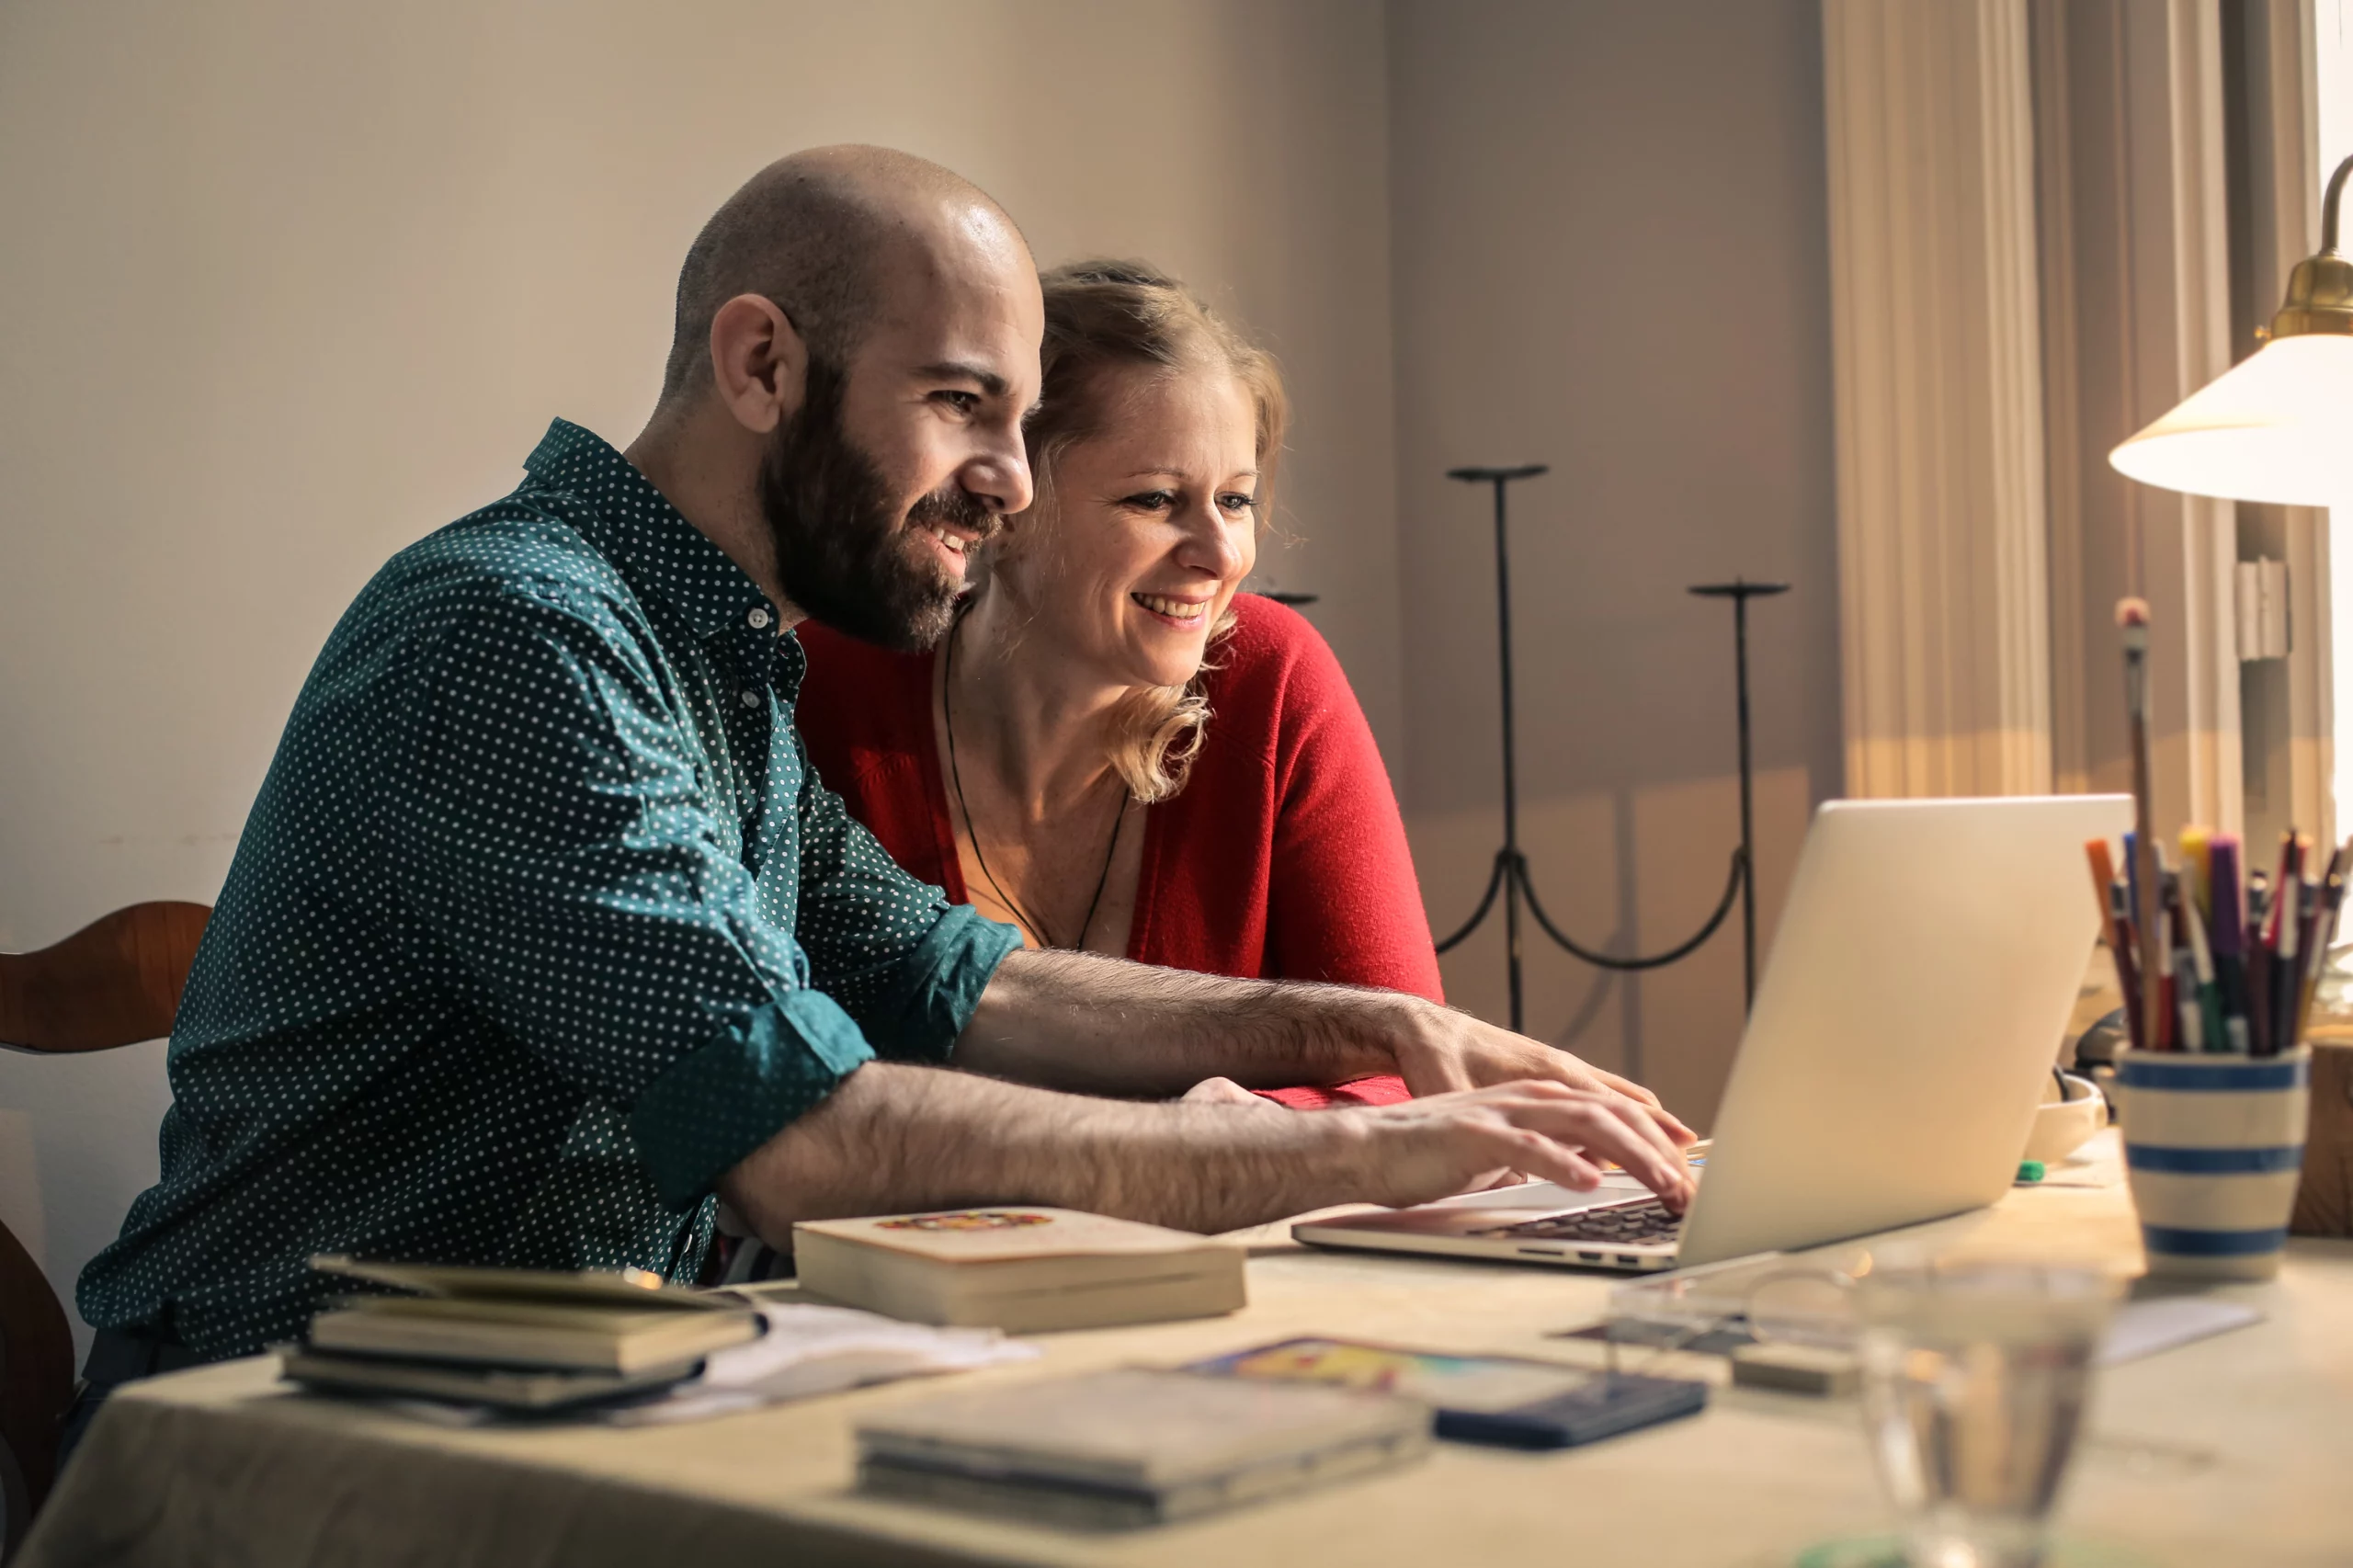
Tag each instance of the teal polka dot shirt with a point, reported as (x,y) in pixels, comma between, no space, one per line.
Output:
(540,923)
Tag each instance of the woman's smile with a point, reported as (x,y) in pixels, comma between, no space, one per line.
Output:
(1184,614)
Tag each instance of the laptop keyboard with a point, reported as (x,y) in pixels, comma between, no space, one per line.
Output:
(1625,1223)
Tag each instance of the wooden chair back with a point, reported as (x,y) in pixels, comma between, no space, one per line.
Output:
(115,982)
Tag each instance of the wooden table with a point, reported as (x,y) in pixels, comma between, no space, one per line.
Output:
(2234,1451)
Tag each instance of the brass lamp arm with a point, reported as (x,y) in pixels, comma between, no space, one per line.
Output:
(2331,204)
(2320,290)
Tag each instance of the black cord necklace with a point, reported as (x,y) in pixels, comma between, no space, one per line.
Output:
(1030,922)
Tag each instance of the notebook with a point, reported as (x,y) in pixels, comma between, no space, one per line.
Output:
(585,1337)
(501,1388)
(615,1322)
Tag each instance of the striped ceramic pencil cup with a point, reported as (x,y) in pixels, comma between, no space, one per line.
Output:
(2212,1147)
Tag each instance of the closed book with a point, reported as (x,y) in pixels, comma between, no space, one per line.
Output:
(1025,1270)
(504,1388)
(636,1287)
(510,1333)
(1133,1446)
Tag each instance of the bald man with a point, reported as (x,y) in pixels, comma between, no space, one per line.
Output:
(541,938)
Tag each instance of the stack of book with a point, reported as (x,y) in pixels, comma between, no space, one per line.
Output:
(511,1338)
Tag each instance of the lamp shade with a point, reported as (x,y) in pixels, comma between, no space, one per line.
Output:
(2277,427)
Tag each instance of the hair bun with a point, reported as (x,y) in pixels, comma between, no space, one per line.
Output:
(1126,274)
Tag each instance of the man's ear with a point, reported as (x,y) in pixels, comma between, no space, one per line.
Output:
(759,363)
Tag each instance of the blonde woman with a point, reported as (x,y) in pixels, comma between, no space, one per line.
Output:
(1114,748)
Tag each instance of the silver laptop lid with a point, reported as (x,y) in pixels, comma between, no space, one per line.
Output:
(1928,954)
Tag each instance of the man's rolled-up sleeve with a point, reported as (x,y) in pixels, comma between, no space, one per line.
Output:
(553,837)
(908,965)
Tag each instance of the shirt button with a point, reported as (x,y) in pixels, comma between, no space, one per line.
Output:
(748,698)
(759,618)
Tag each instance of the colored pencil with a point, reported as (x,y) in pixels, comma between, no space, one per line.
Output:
(2127,964)
(2332,901)
(2115,930)
(2258,964)
(2132,623)
(2229,912)
(2289,900)
(2240,951)
(2196,868)
(2188,1021)
(2212,1032)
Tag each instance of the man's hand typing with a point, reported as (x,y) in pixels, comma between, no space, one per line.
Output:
(1438,1050)
(1447,1143)
(892,1139)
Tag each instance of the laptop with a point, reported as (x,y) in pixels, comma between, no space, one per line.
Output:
(1917,993)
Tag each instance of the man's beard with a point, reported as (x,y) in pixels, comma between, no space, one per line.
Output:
(843,554)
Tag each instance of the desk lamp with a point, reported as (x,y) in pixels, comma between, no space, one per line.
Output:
(2277,427)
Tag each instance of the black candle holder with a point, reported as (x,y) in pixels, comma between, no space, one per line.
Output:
(1510,876)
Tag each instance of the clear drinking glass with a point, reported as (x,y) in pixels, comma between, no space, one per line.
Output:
(1974,1380)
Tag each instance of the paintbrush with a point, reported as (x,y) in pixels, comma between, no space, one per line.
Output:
(2132,620)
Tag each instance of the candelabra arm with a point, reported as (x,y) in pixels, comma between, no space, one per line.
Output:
(1733,885)
(1486,901)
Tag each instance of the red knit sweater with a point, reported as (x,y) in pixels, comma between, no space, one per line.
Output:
(1284,856)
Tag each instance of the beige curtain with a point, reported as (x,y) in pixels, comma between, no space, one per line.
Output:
(2038,212)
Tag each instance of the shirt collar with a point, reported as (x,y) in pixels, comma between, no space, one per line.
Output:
(637,529)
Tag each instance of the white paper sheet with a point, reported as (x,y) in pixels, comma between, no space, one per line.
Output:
(810,1349)
(2143,1328)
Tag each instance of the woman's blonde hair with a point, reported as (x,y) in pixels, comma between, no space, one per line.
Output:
(1106,316)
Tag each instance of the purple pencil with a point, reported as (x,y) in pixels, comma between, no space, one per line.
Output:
(2229,915)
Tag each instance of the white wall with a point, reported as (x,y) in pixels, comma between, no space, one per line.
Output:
(285,285)
(2333,39)
(1611,256)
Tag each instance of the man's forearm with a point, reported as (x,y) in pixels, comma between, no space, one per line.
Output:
(1104,1026)
(896,1138)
